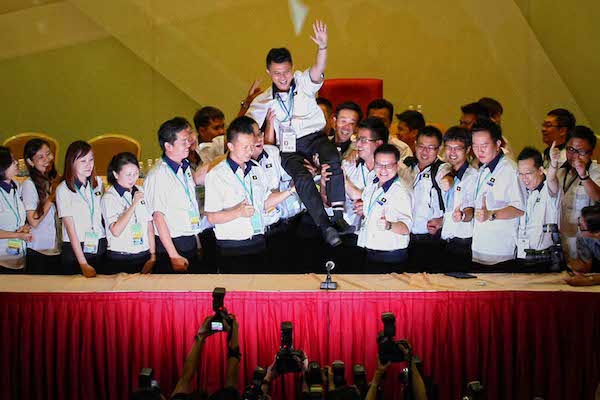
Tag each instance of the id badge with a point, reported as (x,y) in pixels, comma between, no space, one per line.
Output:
(522,244)
(14,247)
(90,244)
(137,235)
(288,139)
(257,225)
(194,219)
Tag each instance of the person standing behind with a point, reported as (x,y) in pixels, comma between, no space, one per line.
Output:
(130,232)
(555,128)
(384,110)
(210,125)
(410,122)
(39,196)
(170,193)
(78,203)
(14,231)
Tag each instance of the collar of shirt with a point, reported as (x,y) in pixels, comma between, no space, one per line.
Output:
(8,186)
(540,186)
(494,163)
(185,164)
(360,161)
(262,155)
(386,186)
(234,166)
(120,189)
(461,171)
(344,146)
(79,184)
(292,89)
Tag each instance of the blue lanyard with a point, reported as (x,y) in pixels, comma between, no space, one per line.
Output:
(288,111)
(90,207)
(489,175)
(129,205)
(251,192)
(372,202)
(15,213)
(450,195)
(362,170)
(185,186)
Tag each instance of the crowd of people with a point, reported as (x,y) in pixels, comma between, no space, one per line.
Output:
(291,183)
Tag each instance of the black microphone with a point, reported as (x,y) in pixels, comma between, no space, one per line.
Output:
(133,190)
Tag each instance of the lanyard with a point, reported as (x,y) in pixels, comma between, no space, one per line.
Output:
(489,175)
(183,184)
(135,219)
(565,186)
(362,170)
(15,212)
(91,206)
(450,195)
(251,192)
(372,202)
(290,107)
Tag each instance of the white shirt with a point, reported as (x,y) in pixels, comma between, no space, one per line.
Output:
(360,176)
(114,203)
(541,209)
(306,116)
(427,203)
(404,149)
(208,151)
(396,201)
(227,185)
(83,206)
(463,193)
(270,162)
(12,217)
(174,195)
(496,241)
(574,198)
(45,235)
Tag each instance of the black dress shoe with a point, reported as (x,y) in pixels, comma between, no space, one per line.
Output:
(332,237)
(343,227)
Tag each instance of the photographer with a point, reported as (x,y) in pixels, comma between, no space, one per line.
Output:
(588,249)
(183,389)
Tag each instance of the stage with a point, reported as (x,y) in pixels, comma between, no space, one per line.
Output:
(521,335)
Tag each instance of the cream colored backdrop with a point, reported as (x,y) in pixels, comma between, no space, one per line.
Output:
(79,68)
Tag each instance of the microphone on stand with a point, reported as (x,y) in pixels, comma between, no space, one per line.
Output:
(328,284)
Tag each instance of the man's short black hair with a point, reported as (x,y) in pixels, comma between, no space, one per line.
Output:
(388,149)
(564,118)
(377,128)
(243,125)
(430,131)
(531,153)
(167,133)
(378,104)
(591,216)
(349,105)
(278,56)
(493,106)
(323,101)
(487,125)
(458,134)
(582,132)
(477,109)
(413,119)
(206,114)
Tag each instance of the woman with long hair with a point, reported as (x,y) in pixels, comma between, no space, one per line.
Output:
(78,203)
(39,194)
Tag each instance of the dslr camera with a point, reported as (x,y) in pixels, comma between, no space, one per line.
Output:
(314,381)
(552,256)
(147,382)
(389,349)
(287,357)
(221,314)
(253,391)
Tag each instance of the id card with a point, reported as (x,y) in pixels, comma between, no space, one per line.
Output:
(14,247)
(194,219)
(257,225)
(288,139)
(90,244)
(522,244)
(137,234)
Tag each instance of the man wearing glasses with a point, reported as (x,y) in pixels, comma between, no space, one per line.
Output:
(555,127)
(577,178)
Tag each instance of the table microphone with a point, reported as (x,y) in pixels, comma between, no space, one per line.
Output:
(328,284)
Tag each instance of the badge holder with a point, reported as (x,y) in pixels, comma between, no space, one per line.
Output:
(137,234)
(90,244)
(194,219)
(14,247)
(288,139)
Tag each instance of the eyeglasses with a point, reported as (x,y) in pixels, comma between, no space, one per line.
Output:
(455,148)
(579,225)
(580,152)
(387,167)
(365,140)
(427,148)
(550,125)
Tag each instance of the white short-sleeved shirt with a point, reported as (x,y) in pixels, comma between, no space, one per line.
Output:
(360,176)
(83,206)
(426,200)
(541,208)
(169,189)
(115,202)
(208,151)
(574,198)
(396,201)
(463,194)
(307,116)
(496,241)
(12,217)
(227,185)
(45,235)
(404,149)
(270,161)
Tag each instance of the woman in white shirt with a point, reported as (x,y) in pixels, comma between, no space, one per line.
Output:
(130,231)
(78,203)
(39,193)
(14,231)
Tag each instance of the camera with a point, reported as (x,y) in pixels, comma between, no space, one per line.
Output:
(475,391)
(360,379)
(147,382)
(552,256)
(288,359)
(390,350)
(314,381)
(253,391)
(216,323)
(338,369)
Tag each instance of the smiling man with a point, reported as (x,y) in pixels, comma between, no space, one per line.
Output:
(347,116)
(555,127)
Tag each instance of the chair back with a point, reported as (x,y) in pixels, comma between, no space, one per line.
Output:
(16,143)
(360,91)
(107,146)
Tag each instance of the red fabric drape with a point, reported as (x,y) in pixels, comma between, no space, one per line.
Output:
(92,345)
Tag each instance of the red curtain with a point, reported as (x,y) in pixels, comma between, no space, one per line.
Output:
(93,345)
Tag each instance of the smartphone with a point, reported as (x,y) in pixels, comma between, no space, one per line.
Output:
(460,275)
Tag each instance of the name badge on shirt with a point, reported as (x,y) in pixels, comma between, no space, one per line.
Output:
(288,139)
(382,201)
(491,181)
(194,219)
(90,243)
(458,188)
(137,234)
(425,175)
(269,166)
(257,225)
(14,247)
(522,244)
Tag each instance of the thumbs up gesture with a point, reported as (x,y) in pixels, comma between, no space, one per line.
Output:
(482,214)
(554,155)
(383,224)
(457,215)
(446,183)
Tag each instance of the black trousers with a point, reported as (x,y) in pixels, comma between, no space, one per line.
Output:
(424,252)
(293,163)
(187,247)
(241,256)
(41,264)
(123,262)
(457,255)
(71,265)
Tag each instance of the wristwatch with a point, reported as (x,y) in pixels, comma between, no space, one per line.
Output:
(585,177)
(493,217)
(388,225)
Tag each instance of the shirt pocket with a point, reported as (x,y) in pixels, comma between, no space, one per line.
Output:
(581,198)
